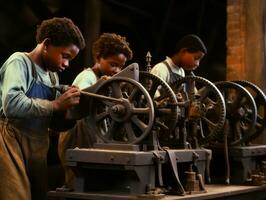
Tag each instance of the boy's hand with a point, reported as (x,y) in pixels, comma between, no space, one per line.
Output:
(68,99)
(105,77)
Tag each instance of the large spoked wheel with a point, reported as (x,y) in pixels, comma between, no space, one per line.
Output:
(241,112)
(164,101)
(128,118)
(203,105)
(260,100)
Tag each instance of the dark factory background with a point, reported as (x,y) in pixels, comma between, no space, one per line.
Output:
(233,32)
(149,25)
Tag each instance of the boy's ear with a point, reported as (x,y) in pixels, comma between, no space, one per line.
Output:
(183,50)
(46,42)
(97,60)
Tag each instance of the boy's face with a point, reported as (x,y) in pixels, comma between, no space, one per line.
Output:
(190,60)
(57,58)
(111,65)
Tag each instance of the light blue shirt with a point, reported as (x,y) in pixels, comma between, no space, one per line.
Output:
(85,79)
(15,80)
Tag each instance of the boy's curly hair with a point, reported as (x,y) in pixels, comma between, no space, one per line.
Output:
(111,44)
(61,32)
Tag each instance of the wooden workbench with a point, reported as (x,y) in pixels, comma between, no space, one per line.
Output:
(218,192)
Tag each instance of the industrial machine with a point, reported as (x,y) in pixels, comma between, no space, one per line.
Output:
(148,134)
(156,139)
(236,159)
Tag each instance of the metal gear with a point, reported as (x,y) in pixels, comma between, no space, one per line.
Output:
(129,119)
(260,100)
(203,105)
(164,101)
(241,112)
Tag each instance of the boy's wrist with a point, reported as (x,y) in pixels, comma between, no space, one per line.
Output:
(55,105)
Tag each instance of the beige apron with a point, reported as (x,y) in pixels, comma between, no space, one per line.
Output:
(22,164)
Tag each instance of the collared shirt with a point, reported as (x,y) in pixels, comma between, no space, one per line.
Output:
(15,80)
(162,71)
(85,79)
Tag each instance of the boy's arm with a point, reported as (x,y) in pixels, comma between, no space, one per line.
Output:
(16,104)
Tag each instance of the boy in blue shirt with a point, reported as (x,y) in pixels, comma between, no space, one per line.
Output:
(28,102)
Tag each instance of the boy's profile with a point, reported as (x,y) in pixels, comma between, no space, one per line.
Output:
(110,52)
(28,102)
(188,53)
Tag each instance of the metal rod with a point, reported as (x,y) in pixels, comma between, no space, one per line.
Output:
(63,88)
(101,96)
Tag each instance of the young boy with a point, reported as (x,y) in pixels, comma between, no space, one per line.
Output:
(188,54)
(27,104)
(110,53)
(189,51)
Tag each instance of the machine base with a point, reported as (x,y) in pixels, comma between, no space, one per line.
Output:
(129,172)
(243,161)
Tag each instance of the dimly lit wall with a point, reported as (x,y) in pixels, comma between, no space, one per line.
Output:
(246,48)
(149,25)
(245,41)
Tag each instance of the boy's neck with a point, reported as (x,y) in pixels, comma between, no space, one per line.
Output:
(96,69)
(175,59)
(35,55)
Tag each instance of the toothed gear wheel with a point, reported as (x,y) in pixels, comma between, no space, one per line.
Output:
(241,112)
(204,107)
(260,100)
(164,101)
(128,121)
